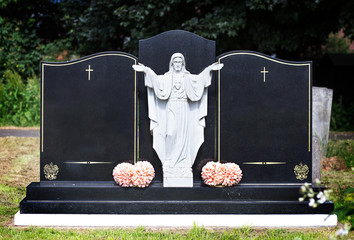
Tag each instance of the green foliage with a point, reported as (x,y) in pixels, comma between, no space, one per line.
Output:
(341,185)
(343,149)
(291,29)
(25,27)
(344,208)
(19,101)
(19,47)
(337,44)
(58,50)
(342,116)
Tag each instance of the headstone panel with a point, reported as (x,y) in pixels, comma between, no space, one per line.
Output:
(321,115)
(265,117)
(88,117)
(156,53)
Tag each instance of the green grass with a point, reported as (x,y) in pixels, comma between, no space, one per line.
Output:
(143,233)
(10,198)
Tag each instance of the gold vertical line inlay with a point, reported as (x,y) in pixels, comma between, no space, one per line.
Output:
(135,114)
(219,114)
(310,107)
(42,128)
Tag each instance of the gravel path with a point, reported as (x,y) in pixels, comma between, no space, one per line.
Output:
(19,133)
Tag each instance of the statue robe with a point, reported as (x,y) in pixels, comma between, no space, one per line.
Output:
(177,120)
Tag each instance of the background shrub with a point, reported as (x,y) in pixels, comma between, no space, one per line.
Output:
(343,149)
(342,116)
(19,100)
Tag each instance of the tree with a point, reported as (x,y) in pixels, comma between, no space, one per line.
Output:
(289,29)
(24,28)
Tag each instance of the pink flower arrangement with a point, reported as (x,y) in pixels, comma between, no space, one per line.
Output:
(138,175)
(221,174)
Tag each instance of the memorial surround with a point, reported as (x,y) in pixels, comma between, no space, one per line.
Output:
(94,115)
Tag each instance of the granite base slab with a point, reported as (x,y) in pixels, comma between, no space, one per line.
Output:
(108,198)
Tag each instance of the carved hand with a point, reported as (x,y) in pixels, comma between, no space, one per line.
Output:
(139,67)
(216,66)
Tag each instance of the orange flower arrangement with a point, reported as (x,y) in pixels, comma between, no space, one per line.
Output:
(138,175)
(221,174)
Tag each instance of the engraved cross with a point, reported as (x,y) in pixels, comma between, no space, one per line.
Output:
(264,73)
(89,70)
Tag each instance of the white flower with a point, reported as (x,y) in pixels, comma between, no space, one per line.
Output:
(303,189)
(342,232)
(301,199)
(312,203)
(311,193)
(327,193)
(321,197)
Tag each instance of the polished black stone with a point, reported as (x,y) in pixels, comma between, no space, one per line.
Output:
(87,124)
(88,127)
(156,53)
(108,198)
(265,116)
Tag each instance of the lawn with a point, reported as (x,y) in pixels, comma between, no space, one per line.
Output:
(19,165)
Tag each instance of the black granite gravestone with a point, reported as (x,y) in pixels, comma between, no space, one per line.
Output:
(156,53)
(88,116)
(265,117)
(88,125)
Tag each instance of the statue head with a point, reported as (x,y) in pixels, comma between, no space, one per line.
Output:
(177,63)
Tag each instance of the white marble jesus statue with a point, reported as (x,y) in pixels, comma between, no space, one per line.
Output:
(177,103)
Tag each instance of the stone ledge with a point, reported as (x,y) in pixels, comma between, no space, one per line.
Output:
(185,220)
